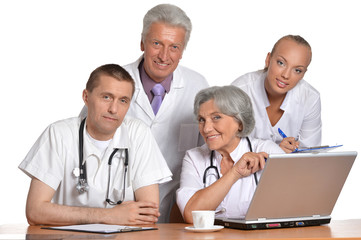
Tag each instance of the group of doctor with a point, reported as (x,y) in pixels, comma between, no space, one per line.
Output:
(136,147)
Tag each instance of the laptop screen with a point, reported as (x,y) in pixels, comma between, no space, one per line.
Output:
(300,185)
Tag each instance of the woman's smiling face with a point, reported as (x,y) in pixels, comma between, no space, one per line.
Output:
(286,66)
(218,130)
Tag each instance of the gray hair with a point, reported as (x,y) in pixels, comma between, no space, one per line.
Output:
(168,14)
(231,101)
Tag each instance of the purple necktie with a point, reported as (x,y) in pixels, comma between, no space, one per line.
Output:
(158,91)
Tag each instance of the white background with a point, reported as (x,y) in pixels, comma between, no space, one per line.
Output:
(49,48)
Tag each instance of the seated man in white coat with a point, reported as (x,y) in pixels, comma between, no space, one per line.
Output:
(102,169)
(166,31)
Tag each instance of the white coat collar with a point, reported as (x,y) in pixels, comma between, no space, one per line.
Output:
(177,82)
(120,140)
(241,149)
(237,153)
(260,89)
(140,97)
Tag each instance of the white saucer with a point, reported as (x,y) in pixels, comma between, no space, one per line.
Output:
(212,229)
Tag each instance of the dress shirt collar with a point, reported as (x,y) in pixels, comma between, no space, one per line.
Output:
(149,83)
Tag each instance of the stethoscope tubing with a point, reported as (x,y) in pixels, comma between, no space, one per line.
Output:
(216,170)
(82,184)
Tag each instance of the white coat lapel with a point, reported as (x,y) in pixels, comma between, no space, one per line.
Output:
(172,98)
(141,99)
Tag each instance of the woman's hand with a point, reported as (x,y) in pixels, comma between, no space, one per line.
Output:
(250,163)
(289,144)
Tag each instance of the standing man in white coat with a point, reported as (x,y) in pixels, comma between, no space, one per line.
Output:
(166,31)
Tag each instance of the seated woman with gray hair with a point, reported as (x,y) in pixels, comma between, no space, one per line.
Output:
(222,174)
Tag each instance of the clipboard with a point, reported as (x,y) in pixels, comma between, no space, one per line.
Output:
(100,228)
(316,149)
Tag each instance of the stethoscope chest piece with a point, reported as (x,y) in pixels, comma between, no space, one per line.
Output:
(80,172)
(82,186)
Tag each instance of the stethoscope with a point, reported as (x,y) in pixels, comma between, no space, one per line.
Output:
(216,170)
(80,172)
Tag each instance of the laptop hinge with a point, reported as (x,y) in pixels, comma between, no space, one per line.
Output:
(316,216)
(261,219)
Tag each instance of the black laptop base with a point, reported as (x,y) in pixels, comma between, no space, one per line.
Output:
(272,225)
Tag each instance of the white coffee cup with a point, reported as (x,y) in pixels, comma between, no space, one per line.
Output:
(203,219)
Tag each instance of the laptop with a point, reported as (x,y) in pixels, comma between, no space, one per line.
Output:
(296,190)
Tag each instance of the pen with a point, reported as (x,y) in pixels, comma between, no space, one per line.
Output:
(284,136)
(282,133)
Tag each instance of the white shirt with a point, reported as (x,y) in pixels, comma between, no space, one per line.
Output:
(236,202)
(302,111)
(55,155)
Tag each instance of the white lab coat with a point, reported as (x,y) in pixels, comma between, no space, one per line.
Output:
(302,111)
(174,127)
(237,200)
(55,155)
